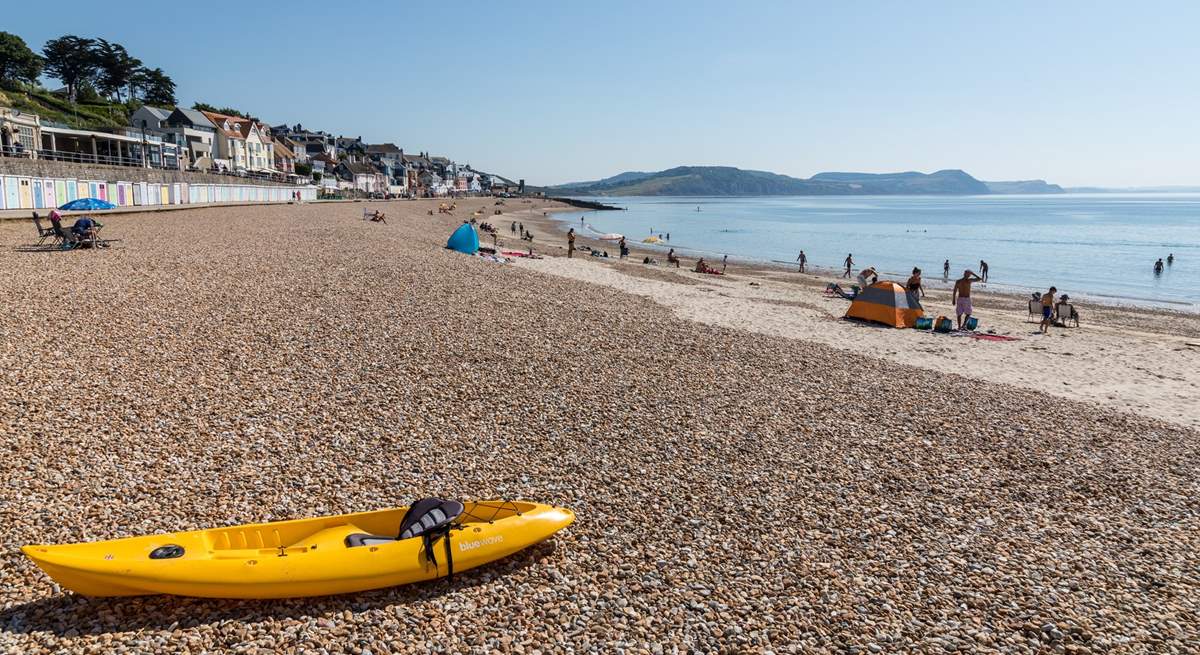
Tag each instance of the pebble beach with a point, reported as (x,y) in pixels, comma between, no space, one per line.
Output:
(736,490)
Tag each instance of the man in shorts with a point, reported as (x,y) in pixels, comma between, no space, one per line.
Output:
(961,297)
(1048,310)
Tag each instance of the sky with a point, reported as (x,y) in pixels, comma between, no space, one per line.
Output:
(1076,93)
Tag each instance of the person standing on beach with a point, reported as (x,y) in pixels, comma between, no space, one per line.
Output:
(570,243)
(849,262)
(803,259)
(983,270)
(724,263)
(946,270)
(514,227)
(623,248)
(914,286)
(1047,310)
(961,297)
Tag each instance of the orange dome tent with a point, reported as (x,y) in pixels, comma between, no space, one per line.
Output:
(888,303)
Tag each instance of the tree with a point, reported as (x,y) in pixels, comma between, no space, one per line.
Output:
(72,60)
(157,88)
(115,68)
(17,61)
(204,106)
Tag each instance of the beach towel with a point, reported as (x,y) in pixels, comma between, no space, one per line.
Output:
(992,337)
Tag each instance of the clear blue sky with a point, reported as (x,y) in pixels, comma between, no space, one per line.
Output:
(1078,93)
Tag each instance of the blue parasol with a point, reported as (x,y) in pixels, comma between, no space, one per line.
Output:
(87,204)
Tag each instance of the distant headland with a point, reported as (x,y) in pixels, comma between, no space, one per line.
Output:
(730,181)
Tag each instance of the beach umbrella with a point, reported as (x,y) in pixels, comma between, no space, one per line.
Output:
(87,204)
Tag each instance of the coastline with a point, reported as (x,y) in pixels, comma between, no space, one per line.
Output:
(1130,298)
(1131,358)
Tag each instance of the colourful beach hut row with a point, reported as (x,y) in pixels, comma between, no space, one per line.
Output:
(45,193)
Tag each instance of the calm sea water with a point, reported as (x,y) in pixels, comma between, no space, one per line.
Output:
(1100,246)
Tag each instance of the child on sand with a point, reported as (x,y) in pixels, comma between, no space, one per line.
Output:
(1047,310)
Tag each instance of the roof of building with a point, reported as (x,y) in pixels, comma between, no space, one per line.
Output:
(196,117)
(439,160)
(281,150)
(160,114)
(360,169)
(325,158)
(221,121)
(384,149)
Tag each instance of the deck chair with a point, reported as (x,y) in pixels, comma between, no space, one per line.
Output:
(44,232)
(1035,308)
(1067,314)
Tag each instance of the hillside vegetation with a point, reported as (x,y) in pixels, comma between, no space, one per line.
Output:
(729,181)
(84,114)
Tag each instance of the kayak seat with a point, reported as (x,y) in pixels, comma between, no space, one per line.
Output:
(428,517)
(363,539)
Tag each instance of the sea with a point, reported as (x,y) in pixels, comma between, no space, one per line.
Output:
(1091,246)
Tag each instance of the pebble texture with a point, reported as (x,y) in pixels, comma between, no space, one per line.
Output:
(734,492)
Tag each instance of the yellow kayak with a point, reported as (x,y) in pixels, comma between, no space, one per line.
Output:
(306,557)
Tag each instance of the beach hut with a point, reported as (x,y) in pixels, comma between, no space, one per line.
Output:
(464,239)
(886,302)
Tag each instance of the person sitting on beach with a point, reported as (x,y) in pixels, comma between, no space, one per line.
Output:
(1047,310)
(961,296)
(672,259)
(379,217)
(86,229)
(1065,311)
(867,277)
(703,267)
(67,236)
(914,284)
(650,261)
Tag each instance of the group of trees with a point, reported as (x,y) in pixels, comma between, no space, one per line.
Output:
(82,63)
(228,111)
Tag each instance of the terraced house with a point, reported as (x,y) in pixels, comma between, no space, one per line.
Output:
(243,144)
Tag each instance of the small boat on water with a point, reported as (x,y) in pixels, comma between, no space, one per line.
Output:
(306,557)
(611,236)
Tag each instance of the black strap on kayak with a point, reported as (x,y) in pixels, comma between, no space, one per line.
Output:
(428,539)
(432,519)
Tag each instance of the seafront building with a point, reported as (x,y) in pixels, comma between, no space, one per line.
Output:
(211,142)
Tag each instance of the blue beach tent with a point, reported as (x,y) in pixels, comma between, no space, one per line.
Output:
(464,239)
(87,204)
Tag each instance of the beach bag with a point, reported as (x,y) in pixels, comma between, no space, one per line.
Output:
(924,323)
(971,323)
(943,324)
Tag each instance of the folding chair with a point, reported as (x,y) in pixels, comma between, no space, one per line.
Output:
(44,232)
